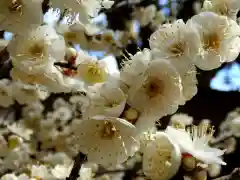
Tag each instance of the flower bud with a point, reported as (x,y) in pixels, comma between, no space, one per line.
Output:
(14,141)
(188,162)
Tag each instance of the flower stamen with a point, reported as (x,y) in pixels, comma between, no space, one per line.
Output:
(202,131)
(16,7)
(211,42)
(109,130)
(153,87)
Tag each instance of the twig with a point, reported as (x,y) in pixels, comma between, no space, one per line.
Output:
(65,65)
(129,173)
(235,175)
(221,138)
(78,161)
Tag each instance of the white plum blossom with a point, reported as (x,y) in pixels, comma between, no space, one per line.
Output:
(177,43)
(91,70)
(195,142)
(181,120)
(85,8)
(20,130)
(161,158)
(17,16)
(227,8)
(59,101)
(61,171)
(77,32)
(27,94)
(219,39)
(37,49)
(156,85)
(50,79)
(106,140)
(108,100)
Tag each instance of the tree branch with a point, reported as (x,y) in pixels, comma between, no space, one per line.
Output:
(235,175)
(78,161)
(129,173)
(221,138)
(65,65)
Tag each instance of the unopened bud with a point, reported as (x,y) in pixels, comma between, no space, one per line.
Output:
(188,162)
(131,115)
(71,54)
(14,141)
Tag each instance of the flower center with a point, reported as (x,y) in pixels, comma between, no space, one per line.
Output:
(16,6)
(200,131)
(36,50)
(109,130)
(211,42)
(92,73)
(177,49)
(153,87)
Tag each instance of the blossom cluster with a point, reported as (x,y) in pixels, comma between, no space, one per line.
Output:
(111,118)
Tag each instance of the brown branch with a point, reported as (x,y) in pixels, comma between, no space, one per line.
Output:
(65,65)
(235,175)
(78,161)
(221,138)
(129,173)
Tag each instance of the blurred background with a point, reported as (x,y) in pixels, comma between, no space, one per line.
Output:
(218,90)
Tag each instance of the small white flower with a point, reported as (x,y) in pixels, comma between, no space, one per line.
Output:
(90,70)
(219,39)
(77,33)
(9,177)
(195,142)
(181,120)
(107,141)
(108,101)
(20,130)
(6,98)
(177,43)
(37,49)
(227,8)
(63,113)
(25,94)
(161,158)
(61,171)
(85,8)
(189,84)
(86,173)
(17,16)
(156,90)
(40,172)
(135,66)
(146,15)
(50,79)
(33,110)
